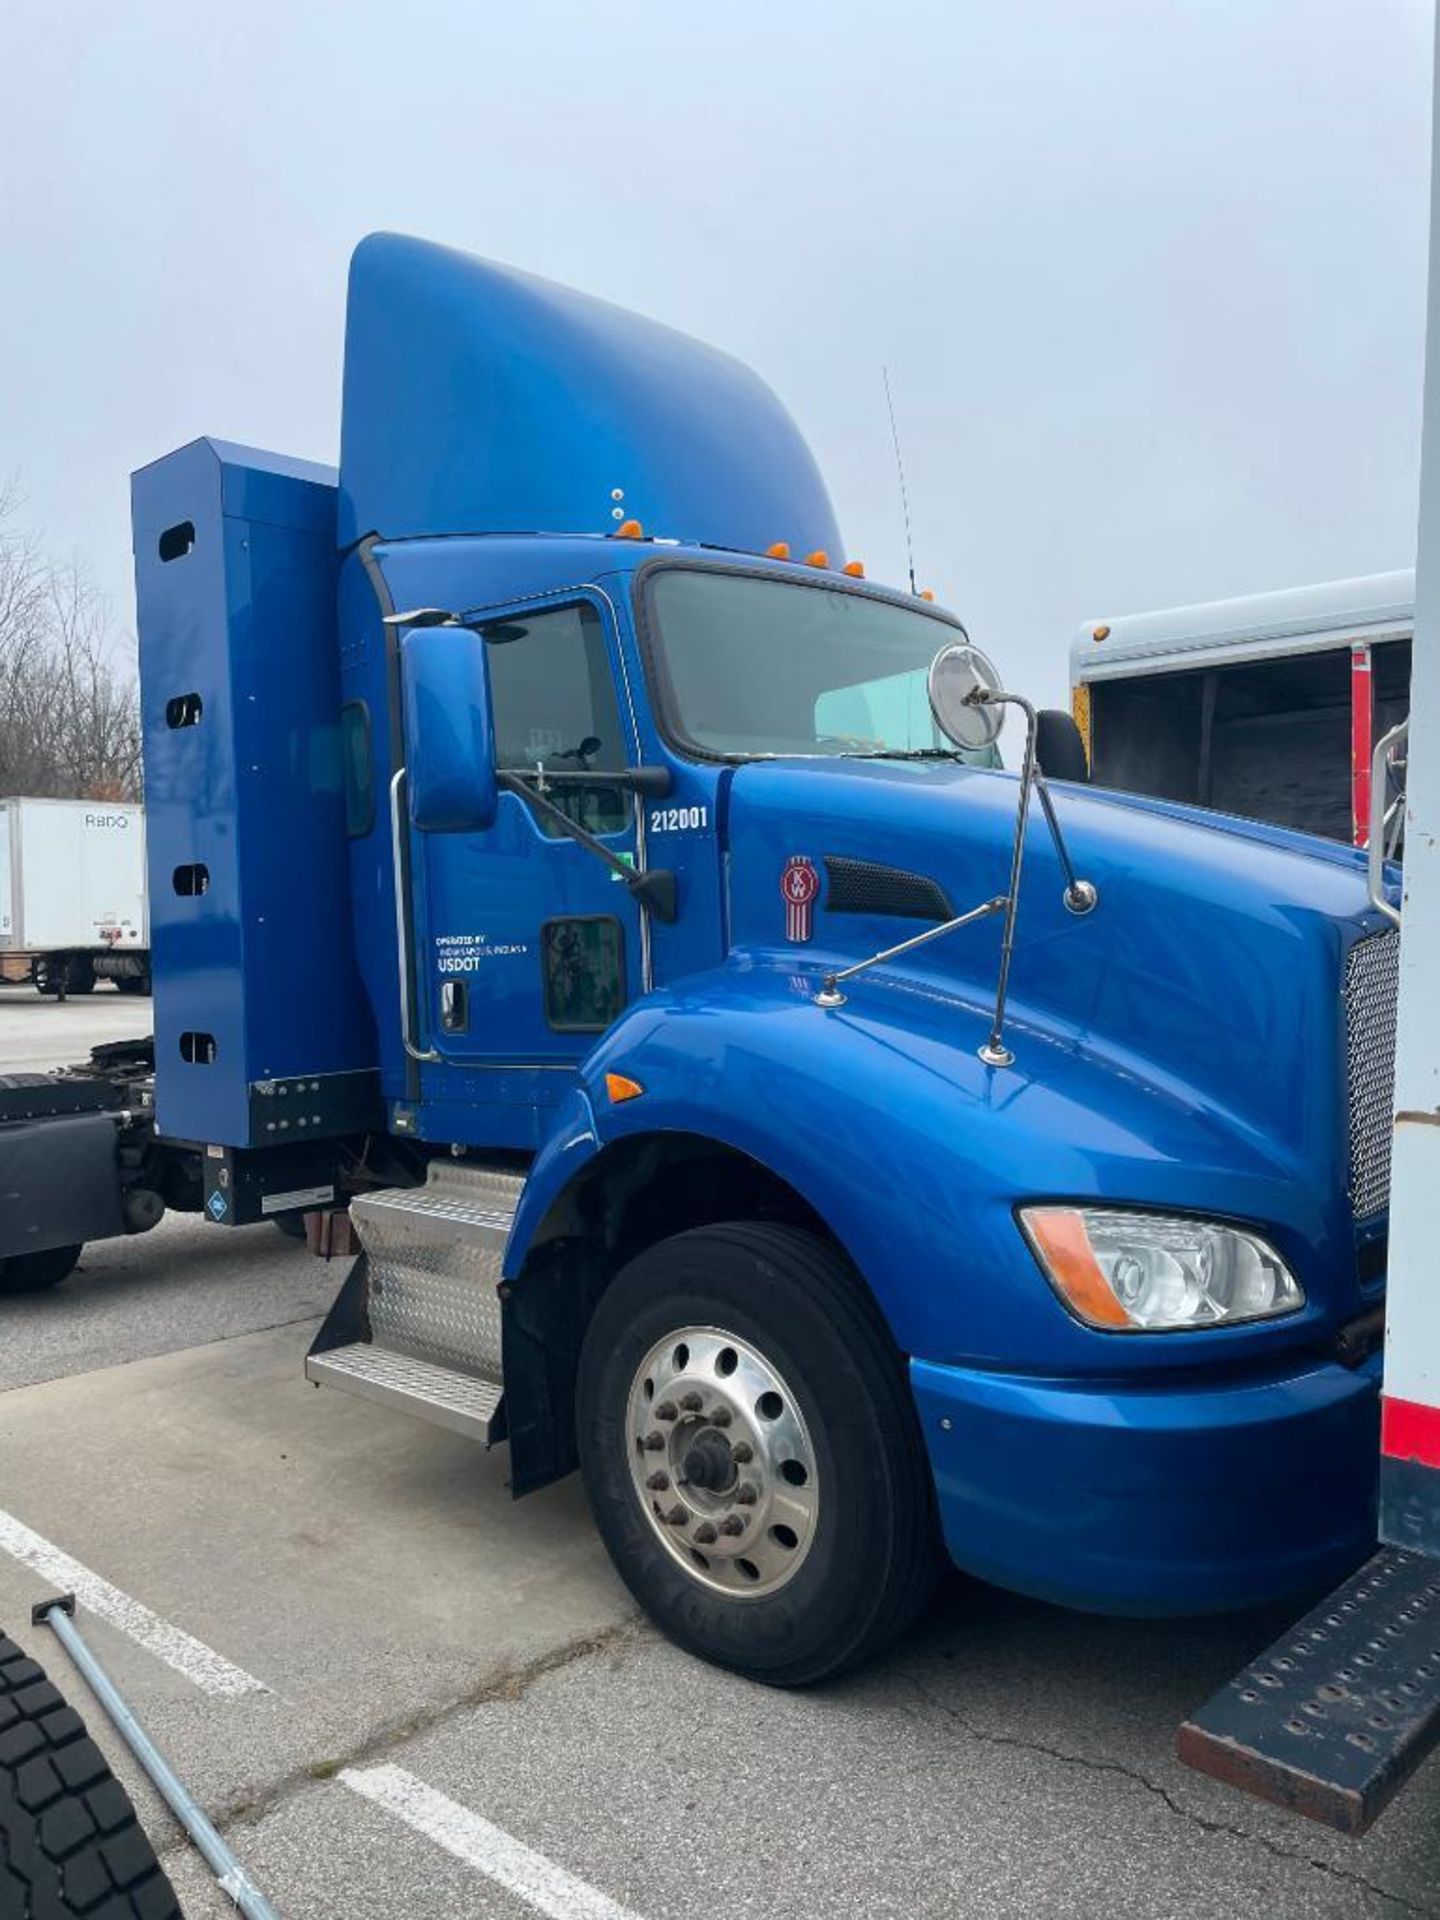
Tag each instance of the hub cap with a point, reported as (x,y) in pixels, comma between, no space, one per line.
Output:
(722,1462)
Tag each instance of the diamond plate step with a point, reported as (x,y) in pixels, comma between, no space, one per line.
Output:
(434,1256)
(447,1399)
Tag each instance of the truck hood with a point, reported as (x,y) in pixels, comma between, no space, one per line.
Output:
(1210,970)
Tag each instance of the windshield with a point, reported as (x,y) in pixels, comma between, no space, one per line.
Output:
(757,666)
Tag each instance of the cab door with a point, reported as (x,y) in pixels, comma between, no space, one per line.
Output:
(528,945)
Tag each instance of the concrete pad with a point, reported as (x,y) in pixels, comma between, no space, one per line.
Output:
(184,1283)
(371,1570)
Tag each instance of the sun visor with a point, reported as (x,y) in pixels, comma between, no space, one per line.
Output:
(479,399)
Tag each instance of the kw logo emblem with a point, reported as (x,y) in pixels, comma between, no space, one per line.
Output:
(799,884)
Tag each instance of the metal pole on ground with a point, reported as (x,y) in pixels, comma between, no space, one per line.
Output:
(58,1615)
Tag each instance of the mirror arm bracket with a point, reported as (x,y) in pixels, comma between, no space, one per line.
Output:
(1080,895)
(653,782)
(654,888)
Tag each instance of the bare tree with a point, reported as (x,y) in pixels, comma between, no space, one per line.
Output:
(94,735)
(69,715)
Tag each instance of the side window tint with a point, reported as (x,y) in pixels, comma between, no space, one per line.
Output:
(584,968)
(358,768)
(555,708)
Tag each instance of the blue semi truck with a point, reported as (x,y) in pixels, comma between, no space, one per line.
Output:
(842,1147)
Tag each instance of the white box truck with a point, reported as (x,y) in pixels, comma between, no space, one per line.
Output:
(73,907)
(1267,706)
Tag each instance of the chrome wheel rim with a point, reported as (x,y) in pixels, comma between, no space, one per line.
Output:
(722,1462)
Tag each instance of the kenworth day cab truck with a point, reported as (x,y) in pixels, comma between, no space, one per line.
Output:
(740,1090)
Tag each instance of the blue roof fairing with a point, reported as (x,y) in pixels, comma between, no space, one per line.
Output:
(479,399)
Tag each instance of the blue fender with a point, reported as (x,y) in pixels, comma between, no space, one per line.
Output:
(916,1156)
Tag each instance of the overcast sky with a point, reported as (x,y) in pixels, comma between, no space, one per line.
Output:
(1148,274)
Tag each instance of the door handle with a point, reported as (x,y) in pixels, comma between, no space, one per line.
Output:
(402,915)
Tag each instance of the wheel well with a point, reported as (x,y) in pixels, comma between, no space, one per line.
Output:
(642,1189)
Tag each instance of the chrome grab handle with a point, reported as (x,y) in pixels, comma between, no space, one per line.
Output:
(1375,851)
(402,914)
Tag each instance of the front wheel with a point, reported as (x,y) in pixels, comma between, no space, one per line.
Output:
(752,1455)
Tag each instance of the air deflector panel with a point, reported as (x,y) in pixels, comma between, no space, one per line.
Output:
(479,399)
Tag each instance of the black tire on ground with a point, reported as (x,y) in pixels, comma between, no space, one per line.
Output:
(794,1299)
(292,1225)
(64,973)
(34,1272)
(133,983)
(70,1843)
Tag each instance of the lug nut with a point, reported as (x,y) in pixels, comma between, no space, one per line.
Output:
(677,1516)
(704,1533)
(721,1417)
(665,1410)
(658,1482)
(654,1442)
(732,1524)
(745,1494)
(691,1402)
(742,1452)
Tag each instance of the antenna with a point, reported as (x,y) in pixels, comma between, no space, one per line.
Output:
(900,470)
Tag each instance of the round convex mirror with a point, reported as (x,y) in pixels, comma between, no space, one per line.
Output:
(957,673)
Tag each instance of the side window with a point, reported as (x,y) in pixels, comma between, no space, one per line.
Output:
(357,767)
(556,711)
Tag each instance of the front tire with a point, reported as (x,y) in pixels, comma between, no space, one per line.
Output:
(752,1455)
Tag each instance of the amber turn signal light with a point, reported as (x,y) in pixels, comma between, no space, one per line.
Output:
(780,551)
(819,558)
(1064,1246)
(629,530)
(621,1087)
(855,569)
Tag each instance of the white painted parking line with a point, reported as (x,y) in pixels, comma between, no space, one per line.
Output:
(200,1664)
(508,1862)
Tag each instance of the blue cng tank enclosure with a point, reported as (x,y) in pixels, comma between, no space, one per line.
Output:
(262,1034)
(479,399)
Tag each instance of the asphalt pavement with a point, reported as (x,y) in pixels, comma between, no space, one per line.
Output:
(402,1694)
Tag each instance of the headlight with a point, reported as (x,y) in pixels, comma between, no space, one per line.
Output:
(1150,1272)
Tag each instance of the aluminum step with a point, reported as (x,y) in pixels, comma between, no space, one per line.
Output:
(458,1401)
(417,1324)
(434,1256)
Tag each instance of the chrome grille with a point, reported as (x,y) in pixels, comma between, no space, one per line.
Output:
(1372,980)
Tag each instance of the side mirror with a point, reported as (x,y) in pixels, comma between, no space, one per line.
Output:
(960,677)
(449,731)
(1060,746)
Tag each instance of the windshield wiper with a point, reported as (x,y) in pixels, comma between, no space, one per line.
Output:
(903,753)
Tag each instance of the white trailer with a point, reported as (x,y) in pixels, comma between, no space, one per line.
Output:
(73,904)
(1267,706)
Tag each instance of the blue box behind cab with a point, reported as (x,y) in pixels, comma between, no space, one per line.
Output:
(256,987)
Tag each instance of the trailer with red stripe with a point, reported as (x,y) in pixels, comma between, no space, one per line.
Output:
(1268,706)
